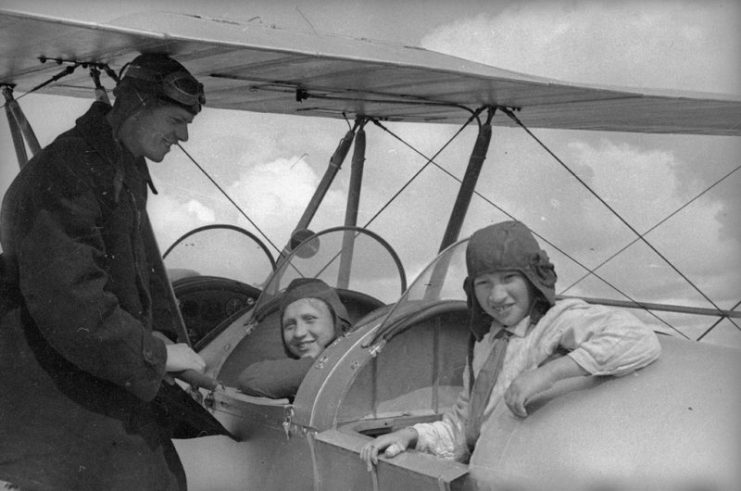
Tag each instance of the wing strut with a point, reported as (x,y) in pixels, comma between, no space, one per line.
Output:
(335,162)
(617,215)
(353,203)
(468,185)
(20,128)
(460,208)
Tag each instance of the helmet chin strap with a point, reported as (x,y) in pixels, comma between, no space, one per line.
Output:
(141,100)
(531,308)
(128,104)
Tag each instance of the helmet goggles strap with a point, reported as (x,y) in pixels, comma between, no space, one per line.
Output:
(179,86)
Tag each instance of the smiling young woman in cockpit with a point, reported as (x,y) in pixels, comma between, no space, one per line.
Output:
(311,316)
(522,342)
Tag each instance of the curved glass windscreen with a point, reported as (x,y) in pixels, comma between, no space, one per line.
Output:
(347,258)
(441,280)
(364,270)
(223,251)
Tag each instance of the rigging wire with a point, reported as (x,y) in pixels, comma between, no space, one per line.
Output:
(662,221)
(66,71)
(490,202)
(430,160)
(69,69)
(226,195)
(717,322)
(614,212)
(74,64)
(474,115)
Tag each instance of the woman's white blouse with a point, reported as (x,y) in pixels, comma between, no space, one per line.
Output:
(603,341)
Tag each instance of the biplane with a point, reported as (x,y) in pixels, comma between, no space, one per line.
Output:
(673,424)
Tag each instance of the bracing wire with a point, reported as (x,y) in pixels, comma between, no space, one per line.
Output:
(430,160)
(717,322)
(505,212)
(611,209)
(474,115)
(67,70)
(659,223)
(226,195)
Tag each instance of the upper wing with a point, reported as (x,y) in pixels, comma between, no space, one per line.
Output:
(256,68)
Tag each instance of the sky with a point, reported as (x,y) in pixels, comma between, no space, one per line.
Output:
(271,164)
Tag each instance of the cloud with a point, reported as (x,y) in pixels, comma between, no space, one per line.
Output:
(274,194)
(645,188)
(639,185)
(673,45)
(271,164)
(680,45)
(201,212)
(174,217)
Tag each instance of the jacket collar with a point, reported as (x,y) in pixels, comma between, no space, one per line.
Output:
(98,134)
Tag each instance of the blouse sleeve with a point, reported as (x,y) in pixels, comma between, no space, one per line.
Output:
(447,438)
(606,341)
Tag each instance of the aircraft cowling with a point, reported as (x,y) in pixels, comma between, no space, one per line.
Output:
(671,425)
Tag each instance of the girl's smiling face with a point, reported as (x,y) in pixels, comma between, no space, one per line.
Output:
(505,295)
(308,327)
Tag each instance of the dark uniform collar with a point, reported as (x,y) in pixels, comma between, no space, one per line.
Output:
(98,133)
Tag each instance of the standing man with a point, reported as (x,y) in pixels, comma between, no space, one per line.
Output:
(83,302)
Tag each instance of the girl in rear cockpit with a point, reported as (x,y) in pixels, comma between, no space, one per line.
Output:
(311,317)
(522,342)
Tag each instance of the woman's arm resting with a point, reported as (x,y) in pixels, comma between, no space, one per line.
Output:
(391,444)
(531,382)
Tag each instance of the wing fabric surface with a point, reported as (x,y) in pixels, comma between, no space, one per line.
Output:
(264,69)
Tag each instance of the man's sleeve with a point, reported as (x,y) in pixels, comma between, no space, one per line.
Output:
(64,286)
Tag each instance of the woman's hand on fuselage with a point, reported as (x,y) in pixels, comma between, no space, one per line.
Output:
(181,357)
(392,444)
(531,382)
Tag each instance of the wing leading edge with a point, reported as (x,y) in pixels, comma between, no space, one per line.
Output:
(261,69)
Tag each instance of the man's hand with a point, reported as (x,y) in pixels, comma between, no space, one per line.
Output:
(181,357)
